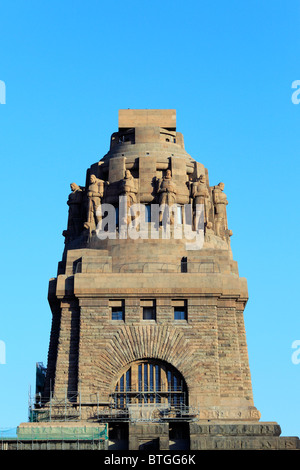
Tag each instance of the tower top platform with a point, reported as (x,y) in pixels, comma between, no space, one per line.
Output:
(165,118)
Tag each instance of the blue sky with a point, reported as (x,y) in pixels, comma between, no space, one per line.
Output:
(227,68)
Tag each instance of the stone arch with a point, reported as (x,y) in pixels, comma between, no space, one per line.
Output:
(133,343)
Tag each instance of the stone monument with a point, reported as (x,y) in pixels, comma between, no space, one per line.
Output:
(148,335)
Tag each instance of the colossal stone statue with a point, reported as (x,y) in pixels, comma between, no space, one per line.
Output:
(128,189)
(166,192)
(75,221)
(94,194)
(220,203)
(200,197)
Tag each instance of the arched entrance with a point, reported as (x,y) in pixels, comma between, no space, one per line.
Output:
(150,381)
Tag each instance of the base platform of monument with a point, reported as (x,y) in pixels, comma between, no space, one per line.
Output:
(209,436)
(152,437)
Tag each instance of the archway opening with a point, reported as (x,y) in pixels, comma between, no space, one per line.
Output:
(150,381)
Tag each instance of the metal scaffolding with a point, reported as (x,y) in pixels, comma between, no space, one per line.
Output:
(129,406)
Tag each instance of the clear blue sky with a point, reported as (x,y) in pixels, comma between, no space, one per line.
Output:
(227,68)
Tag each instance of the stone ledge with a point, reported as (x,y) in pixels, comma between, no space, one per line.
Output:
(230,429)
(244,443)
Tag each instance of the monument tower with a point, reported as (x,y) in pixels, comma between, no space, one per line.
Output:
(148,331)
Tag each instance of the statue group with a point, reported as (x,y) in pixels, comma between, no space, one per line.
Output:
(84,203)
